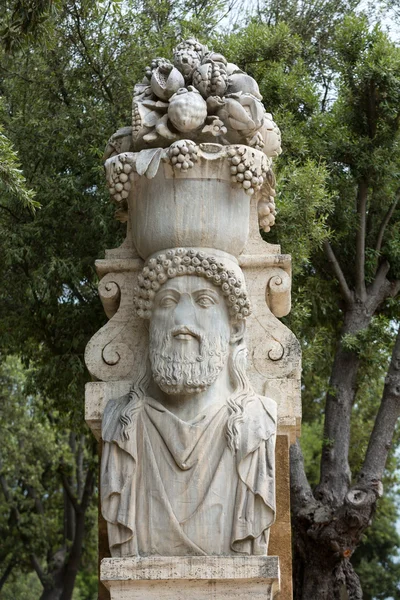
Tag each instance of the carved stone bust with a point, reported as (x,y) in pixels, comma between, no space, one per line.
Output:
(188,458)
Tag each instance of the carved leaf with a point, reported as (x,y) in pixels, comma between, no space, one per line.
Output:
(153,104)
(155,163)
(163,130)
(144,159)
(151,119)
(241,125)
(150,137)
(237,112)
(256,109)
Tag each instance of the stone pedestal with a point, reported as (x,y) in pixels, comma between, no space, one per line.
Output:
(194,577)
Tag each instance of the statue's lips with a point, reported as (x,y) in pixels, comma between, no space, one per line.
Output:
(184,334)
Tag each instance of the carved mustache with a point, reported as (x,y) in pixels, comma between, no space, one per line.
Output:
(187,331)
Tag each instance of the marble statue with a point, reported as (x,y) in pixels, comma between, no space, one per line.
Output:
(188,459)
(187,425)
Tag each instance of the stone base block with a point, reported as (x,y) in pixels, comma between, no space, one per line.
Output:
(191,577)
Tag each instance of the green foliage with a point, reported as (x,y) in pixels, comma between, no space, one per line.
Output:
(303,196)
(332,83)
(33,451)
(377,558)
(86,586)
(21,587)
(12,182)
(311,444)
(24,20)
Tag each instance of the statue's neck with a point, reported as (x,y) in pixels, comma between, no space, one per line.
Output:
(187,406)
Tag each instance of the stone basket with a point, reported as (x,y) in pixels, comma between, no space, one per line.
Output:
(199,207)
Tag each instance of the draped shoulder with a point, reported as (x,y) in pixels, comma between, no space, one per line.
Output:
(255,498)
(111,426)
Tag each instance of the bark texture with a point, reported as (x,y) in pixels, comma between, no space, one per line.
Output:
(329,521)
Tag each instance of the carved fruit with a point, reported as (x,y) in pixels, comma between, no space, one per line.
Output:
(246,169)
(118,174)
(183,154)
(241,82)
(210,79)
(272,136)
(187,110)
(215,57)
(166,80)
(232,68)
(187,56)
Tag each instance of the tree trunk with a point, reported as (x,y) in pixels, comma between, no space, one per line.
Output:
(53,593)
(74,558)
(324,540)
(326,532)
(321,582)
(335,477)
(6,574)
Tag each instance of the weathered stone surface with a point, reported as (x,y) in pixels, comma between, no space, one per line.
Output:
(188,426)
(274,366)
(188,460)
(280,541)
(197,577)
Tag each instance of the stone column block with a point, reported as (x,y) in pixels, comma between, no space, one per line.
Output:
(194,577)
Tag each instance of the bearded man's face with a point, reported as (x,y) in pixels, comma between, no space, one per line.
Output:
(189,335)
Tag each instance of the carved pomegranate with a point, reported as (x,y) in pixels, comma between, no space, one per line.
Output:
(187,56)
(166,80)
(187,110)
(210,79)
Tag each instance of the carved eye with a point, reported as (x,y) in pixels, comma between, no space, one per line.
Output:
(167,301)
(205,301)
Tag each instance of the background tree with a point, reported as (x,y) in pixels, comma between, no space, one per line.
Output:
(66,89)
(47,484)
(332,84)
(339,174)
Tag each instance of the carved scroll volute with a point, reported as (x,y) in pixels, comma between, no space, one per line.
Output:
(110,292)
(277,293)
(274,348)
(274,365)
(117,348)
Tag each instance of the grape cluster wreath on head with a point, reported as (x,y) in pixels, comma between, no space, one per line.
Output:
(188,261)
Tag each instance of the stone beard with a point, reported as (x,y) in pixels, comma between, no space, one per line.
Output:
(188,458)
(176,370)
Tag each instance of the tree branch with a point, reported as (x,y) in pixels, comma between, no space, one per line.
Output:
(88,488)
(14,216)
(362,197)
(301,493)
(79,467)
(344,288)
(38,503)
(87,57)
(385,423)
(335,470)
(69,491)
(384,224)
(381,288)
(38,569)
(7,572)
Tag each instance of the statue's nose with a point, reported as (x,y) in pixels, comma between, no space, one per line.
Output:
(185,313)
